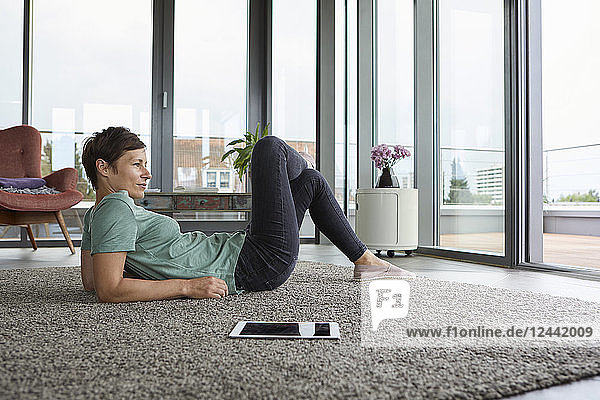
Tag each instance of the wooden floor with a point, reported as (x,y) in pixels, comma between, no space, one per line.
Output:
(583,251)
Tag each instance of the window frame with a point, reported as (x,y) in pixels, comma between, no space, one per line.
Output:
(428,130)
(530,245)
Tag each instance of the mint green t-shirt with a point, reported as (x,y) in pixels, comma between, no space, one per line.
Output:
(156,248)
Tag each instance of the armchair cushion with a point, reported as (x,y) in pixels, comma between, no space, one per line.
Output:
(62,180)
(41,190)
(22,183)
(21,152)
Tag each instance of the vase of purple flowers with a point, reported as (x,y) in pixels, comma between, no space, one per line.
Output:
(385,156)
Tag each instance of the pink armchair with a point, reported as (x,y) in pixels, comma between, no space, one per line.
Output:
(20,157)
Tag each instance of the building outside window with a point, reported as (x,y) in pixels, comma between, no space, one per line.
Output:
(211,179)
(224,181)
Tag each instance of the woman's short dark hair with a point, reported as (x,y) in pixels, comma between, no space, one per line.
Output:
(109,145)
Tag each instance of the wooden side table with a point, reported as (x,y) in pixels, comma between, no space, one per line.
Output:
(177,202)
(170,202)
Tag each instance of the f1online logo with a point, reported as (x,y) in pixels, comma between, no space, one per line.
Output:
(389,300)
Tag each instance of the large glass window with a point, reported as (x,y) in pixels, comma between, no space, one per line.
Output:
(91,69)
(294,78)
(11,67)
(471,125)
(395,81)
(571,142)
(210,91)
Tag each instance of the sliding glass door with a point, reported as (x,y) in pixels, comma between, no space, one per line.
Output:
(471,128)
(570,137)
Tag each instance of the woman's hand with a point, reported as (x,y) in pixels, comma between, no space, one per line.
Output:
(206,287)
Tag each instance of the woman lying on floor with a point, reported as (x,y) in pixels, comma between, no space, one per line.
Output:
(131,254)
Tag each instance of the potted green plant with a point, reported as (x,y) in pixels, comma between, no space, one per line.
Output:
(244,154)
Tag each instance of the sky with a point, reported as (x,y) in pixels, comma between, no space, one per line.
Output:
(570,88)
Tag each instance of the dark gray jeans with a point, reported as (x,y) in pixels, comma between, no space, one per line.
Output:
(283,188)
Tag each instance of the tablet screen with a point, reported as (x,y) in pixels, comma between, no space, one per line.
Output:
(322,329)
(271,328)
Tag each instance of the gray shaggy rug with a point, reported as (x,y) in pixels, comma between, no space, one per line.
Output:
(56,341)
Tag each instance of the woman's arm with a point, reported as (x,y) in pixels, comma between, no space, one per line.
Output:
(112,287)
(87,274)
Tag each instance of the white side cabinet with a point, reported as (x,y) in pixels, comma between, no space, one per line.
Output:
(387,219)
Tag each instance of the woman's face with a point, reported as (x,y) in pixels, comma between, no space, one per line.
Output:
(130,174)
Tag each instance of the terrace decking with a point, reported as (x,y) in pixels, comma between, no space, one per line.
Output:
(578,250)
